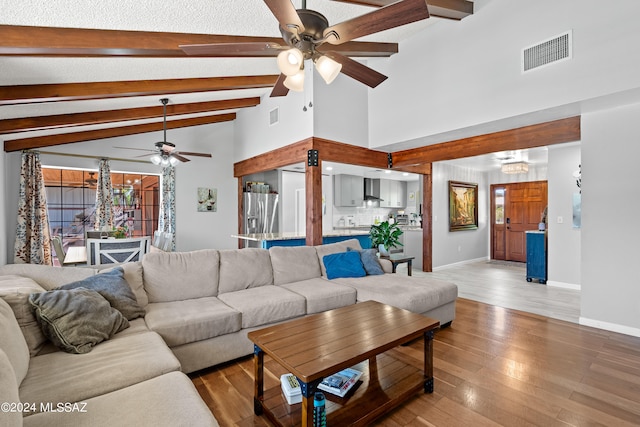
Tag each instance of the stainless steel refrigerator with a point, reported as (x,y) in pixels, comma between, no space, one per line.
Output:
(260,213)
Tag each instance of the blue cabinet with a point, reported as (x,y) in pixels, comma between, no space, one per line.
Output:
(536,256)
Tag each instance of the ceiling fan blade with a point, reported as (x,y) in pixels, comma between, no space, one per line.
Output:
(356,70)
(391,16)
(139,149)
(186,153)
(233,49)
(179,157)
(279,89)
(286,15)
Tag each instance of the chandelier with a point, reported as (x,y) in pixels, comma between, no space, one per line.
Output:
(515,167)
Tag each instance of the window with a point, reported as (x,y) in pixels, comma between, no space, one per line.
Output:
(71,199)
(499,205)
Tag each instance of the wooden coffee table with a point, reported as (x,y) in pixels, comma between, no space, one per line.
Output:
(319,345)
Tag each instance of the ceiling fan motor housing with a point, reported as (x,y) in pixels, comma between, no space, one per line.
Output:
(314,25)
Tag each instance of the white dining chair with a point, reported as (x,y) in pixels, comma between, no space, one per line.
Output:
(117,251)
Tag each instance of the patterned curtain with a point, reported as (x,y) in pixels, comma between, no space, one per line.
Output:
(33,236)
(167,220)
(104,198)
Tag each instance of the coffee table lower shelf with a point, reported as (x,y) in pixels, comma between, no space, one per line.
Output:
(385,383)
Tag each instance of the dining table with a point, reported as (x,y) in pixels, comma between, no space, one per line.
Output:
(75,255)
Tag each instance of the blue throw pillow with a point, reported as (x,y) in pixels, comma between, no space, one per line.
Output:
(343,264)
(369,261)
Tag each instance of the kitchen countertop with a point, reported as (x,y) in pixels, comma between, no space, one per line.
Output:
(258,237)
(368,227)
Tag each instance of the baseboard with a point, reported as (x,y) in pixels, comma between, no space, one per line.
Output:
(564,285)
(613,327)
(468,261)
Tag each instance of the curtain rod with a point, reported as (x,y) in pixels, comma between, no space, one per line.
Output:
(86,156)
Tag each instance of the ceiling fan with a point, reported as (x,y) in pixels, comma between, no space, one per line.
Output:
(165,152)
(306,34)
(91,181)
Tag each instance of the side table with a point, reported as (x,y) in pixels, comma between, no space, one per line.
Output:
(399,259)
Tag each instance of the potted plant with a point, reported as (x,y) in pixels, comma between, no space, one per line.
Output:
(385,236)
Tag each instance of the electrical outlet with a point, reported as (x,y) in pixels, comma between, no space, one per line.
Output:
(560,220)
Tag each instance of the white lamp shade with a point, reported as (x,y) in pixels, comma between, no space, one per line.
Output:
(328,68)
(164,161)
(155,159)
(295,82)
(173,161)
(290,61)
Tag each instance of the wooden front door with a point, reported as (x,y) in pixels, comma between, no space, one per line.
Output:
(515,208)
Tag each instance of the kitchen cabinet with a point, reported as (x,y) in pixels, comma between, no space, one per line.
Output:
(393,193)
(348,190)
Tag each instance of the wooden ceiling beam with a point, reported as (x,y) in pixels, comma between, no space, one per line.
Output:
(332,151)
(18,40)
(274,159)
(538,135)
(109,116)
(449,9)
(92,135)
(24,94)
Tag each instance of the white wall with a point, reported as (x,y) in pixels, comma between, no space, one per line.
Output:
(456,74)
(563,239)
(254,134)
(610,296)
(450,247)
(338,117)
(195,230)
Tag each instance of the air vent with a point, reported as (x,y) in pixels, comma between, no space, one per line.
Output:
(273,117)
(547,52)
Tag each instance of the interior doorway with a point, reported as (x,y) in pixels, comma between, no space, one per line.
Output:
(515,208)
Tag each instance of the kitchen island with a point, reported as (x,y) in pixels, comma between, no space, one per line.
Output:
(267,240)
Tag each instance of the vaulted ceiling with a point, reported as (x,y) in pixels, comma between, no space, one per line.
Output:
(73,71)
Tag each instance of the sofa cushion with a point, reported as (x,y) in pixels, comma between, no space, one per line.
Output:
(182,322)
(75,320)
(111,365)
(265,304)
(142,404)
(115,289)
(333,248)
(294,263)
(369,260)
(133,276)
(322,295)
(46,276)
(8,392)
(416,294)
(176,276)
(15,290)
(244,268)
(12,343)
(343,264)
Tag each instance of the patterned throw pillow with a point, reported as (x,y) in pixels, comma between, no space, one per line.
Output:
(369,261)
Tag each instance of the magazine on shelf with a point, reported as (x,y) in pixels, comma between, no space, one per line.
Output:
(340,383)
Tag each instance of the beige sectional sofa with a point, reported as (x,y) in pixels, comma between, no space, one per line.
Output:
(199,307)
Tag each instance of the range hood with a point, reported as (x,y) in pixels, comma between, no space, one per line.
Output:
(372,190)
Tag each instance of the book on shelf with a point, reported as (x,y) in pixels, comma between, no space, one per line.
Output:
(340,383)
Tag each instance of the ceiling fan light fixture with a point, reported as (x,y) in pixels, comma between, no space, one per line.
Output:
(290,61)
(173,161)
(328,68)
(165,160)
(295,82)
(155,159)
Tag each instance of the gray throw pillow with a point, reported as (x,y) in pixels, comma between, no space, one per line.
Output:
(115,289)
(76,320)
(369,261)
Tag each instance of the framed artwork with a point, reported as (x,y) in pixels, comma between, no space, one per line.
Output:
(463,206)
(207,199)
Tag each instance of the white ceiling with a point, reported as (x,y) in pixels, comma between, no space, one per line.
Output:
(231,17)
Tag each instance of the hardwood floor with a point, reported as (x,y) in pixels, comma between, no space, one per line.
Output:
(494,366)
